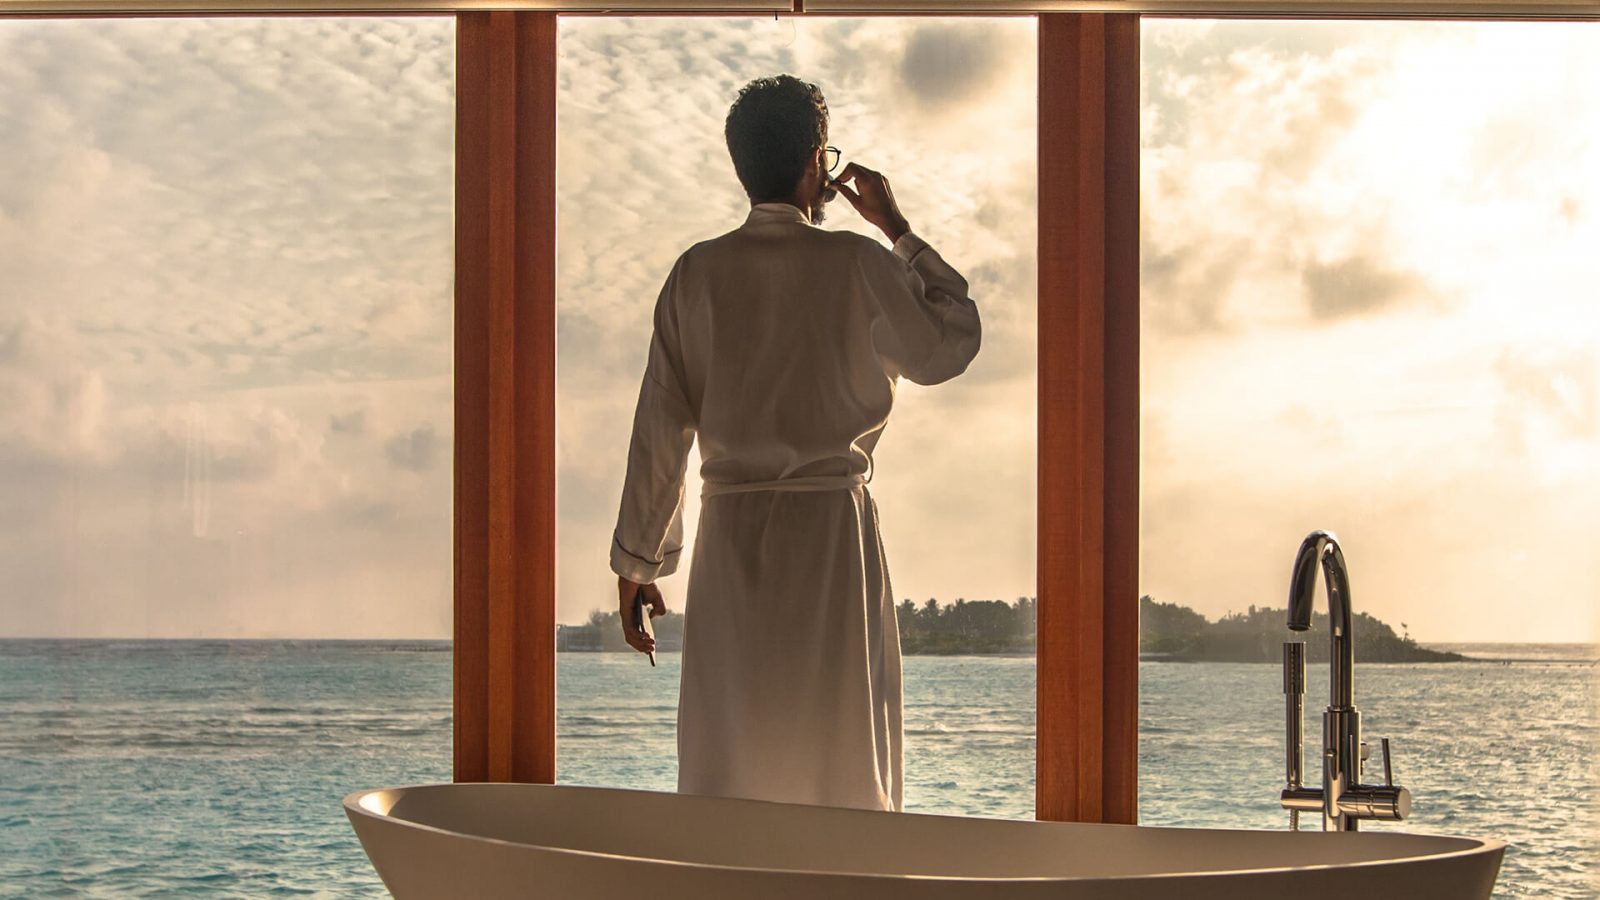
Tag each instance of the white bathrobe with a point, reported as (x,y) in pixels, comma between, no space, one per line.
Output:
(780,343)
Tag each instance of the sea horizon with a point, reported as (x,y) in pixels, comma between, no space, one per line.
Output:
(1575,652)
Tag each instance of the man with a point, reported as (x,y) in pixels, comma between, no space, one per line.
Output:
(780,344)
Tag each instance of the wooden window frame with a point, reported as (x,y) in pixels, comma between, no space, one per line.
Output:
(1088,372)
(1087,645)
(1087,656)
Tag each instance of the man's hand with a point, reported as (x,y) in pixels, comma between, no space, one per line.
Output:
(872,199)
(637,639)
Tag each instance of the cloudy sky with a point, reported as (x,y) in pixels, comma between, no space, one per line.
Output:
(225,282)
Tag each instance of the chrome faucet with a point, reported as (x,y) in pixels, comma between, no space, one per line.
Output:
(1343,800)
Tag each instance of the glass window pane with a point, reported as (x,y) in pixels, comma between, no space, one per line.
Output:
(946,108)
(226,259)
(1370,304)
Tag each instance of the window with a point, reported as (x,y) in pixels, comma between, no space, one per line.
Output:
(225,449)
(946,108)
(1369,304)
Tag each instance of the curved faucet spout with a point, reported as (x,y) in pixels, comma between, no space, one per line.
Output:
(1323,547)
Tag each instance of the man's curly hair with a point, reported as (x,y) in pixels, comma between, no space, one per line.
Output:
(772,129)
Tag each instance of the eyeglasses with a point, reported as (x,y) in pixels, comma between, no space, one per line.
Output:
(831,157)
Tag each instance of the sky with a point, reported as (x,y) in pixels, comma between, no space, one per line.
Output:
(1368,304)
(1371,304)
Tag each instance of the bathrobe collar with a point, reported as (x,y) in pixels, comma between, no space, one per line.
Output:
(762,213)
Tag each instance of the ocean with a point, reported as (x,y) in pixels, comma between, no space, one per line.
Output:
(216,768)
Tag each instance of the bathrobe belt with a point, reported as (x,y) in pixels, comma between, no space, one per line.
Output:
(805,483)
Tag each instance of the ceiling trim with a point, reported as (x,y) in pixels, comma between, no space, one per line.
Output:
(1566,10)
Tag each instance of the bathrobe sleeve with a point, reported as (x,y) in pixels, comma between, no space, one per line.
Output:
(648,539)
(927,327)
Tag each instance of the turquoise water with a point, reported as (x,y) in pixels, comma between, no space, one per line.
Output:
(134,769)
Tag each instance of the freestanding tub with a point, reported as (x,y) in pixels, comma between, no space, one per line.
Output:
(565,841)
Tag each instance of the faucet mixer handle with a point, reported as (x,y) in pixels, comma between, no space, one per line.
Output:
(1388,801)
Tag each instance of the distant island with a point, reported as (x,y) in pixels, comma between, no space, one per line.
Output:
(1168,632)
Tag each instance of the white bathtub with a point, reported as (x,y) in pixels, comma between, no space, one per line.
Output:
(571,842)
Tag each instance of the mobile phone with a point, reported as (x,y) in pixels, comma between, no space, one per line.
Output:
(641,621)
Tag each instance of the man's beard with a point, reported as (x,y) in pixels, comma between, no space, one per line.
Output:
(824,196)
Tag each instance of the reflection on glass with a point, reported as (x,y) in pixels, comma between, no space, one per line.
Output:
(1369,305)
(225,352)
(946,108)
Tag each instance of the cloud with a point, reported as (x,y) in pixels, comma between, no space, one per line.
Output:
(1368,305)
(1242,127)
(228,286)
(225,241)
(230,189)
(415,450)
(353,422)
(1358,285)
(1185,289)
(66,413)
(172,514)
(1548,412)
(952,62)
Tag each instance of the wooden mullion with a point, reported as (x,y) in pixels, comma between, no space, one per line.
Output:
(505,398)
(1086,599)
(470,631)
(501,87)
(534,710)
(1087,679)
(1121,492)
